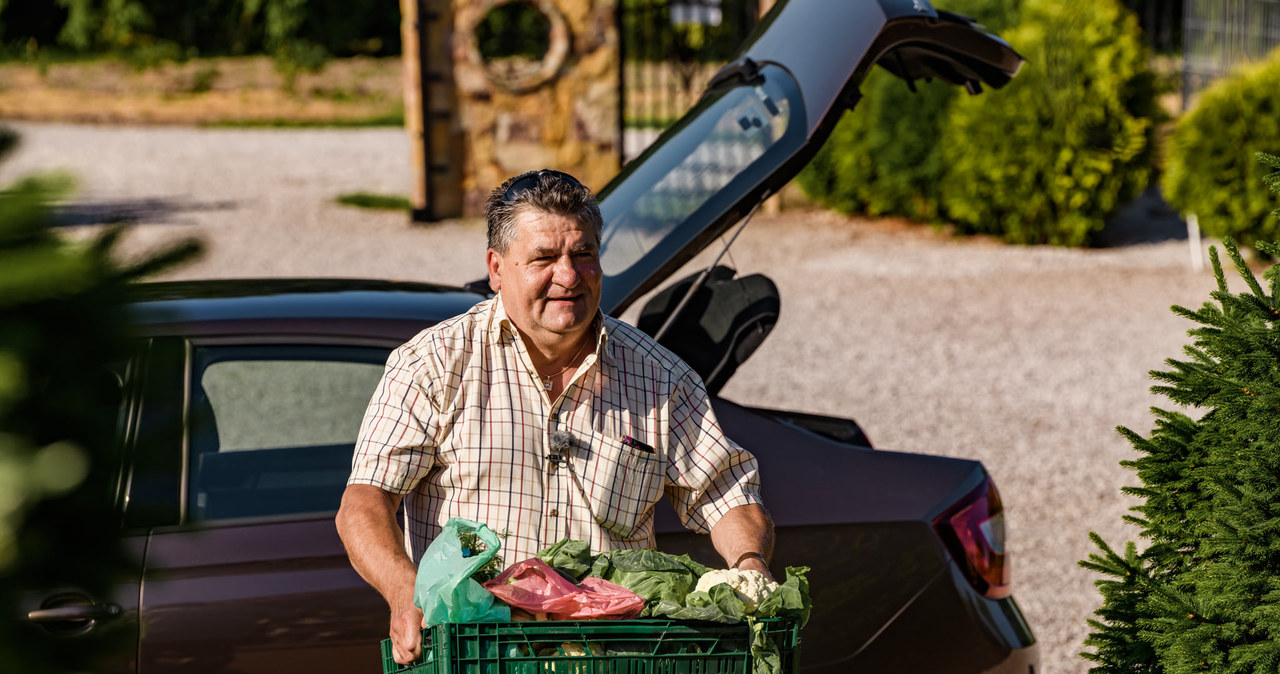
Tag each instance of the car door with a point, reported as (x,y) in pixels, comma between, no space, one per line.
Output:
(251,576)
(87,629)
(90,622)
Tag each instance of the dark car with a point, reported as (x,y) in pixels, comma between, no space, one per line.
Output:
(243,402)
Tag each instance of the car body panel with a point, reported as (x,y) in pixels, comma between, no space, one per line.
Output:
(257,596)
(106,645)
(995,636)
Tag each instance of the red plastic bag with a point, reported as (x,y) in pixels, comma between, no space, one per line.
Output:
(536,587)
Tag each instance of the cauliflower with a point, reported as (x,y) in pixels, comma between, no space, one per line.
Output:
(750,586)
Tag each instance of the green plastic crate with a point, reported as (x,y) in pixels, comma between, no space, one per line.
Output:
(594,647)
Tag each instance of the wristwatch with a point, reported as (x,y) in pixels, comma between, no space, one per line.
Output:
(747,555)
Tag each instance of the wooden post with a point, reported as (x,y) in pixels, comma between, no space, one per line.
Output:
(430,109)
(413,122)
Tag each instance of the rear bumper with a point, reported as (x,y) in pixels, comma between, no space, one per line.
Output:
(1021,661)
(949,627)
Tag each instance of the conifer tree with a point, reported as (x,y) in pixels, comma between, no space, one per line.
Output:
(62,329)
(1204,595)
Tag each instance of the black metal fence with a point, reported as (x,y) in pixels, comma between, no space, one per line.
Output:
(1221,34)
(669,50)
(1161,22)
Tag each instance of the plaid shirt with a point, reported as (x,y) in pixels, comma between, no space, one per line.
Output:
(462,425)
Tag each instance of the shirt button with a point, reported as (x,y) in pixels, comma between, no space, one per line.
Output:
(555,512)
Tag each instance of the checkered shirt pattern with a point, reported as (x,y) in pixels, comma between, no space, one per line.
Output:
(461,425)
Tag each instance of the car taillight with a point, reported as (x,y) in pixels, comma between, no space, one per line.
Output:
(973,530)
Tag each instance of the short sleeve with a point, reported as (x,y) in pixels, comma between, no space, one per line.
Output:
(708,474)
(397,440)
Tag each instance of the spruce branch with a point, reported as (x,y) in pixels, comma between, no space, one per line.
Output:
(1216,265)
(1233,251)
(1271,179)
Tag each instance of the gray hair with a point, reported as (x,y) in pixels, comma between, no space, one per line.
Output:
(544,190)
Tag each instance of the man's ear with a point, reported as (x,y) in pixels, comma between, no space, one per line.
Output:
(493,261)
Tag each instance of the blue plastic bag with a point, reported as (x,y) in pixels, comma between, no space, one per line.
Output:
(444,589)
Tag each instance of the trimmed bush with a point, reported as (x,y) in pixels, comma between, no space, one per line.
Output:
(885,157)
(1211,171)
(1068,142)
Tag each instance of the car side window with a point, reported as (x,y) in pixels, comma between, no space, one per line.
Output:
(271,430)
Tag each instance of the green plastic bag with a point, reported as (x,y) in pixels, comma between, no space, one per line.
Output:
(444,589)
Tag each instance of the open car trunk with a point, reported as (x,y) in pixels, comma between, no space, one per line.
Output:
(764,116)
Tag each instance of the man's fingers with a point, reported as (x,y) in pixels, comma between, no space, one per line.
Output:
(406,637)
(406,648)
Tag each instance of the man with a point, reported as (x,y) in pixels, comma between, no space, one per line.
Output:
(540,417)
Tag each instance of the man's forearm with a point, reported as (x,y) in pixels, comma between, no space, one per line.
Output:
(366,523)
(742,533)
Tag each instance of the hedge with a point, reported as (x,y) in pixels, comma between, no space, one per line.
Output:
(1049,158)
(1211,170)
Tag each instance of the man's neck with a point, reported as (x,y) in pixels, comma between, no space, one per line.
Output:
(554,352)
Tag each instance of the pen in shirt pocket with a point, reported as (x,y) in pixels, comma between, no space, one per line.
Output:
(636,444)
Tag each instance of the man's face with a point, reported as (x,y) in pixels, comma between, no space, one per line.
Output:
(549,277)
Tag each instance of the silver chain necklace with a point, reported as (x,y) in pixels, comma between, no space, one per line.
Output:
(548,378)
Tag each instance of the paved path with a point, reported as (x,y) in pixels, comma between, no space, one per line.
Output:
(1025,358)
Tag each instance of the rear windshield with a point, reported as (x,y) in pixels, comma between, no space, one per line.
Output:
(693,175)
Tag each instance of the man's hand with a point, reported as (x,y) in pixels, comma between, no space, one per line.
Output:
(756,564)
(406,629)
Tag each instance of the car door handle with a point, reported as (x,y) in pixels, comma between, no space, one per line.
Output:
(73,613)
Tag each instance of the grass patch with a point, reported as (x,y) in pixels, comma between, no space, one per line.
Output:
(385,202)
(388,119)
(648,122)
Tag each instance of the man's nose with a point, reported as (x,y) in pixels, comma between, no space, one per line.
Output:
(565,272)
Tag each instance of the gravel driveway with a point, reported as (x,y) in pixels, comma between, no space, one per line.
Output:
(1024,358)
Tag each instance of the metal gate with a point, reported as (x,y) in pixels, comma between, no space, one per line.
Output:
(669,50)
(1161,22)
(1219,34)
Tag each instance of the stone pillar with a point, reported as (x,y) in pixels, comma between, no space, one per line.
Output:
(559,113)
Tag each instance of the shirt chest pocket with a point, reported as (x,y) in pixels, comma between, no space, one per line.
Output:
(621,482)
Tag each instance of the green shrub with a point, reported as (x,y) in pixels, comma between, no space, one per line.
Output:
(885,157)
(1068,142)
(1211,155)
(1202,595)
